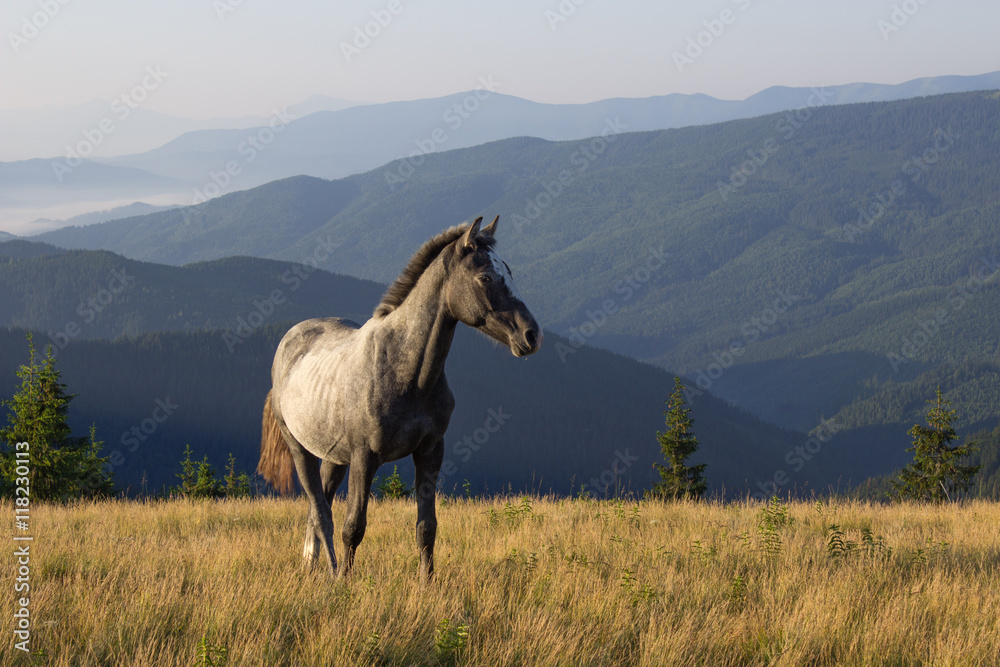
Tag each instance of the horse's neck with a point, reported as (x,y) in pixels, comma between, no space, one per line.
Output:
(421,331)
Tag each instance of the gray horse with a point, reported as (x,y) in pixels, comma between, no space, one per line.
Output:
(360,396)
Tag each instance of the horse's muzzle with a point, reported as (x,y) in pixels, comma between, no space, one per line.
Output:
(527,342)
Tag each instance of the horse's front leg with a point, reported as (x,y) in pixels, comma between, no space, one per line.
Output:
(428,464)
(359,486)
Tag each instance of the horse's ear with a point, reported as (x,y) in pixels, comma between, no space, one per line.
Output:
(470,236)
(491,231)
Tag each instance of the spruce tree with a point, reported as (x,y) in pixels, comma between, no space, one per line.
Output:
(236,486)
(62,466)
(198,479)
(937,472)
(677,479)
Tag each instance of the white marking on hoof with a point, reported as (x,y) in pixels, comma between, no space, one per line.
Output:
(309,550)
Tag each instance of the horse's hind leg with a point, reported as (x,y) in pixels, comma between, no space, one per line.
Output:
(319,525)
(332,475)
(359,487)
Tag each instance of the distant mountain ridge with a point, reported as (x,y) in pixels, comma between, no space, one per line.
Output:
(116,213)
(337,143)
(334,144)
(27,185)
(45,132)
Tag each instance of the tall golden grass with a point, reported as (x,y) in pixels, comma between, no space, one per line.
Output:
(518,582)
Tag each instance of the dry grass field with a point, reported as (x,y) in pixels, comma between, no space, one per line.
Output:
(519,582)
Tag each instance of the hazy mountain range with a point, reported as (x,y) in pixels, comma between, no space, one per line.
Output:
(45,132)
(116,213)
(198,165)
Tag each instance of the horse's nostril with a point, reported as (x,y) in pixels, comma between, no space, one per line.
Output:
(531,337)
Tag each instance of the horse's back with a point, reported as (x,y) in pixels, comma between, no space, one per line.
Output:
(305,337)
(321,327)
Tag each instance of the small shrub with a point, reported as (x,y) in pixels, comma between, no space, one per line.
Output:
(702,552)
(774,515)
(636,593)
(371,651)
(837,546)
(871,546)
(529,561)
(771,517)
(198,479)
(236,486)
(738,592)
(393,486)
(450,640)
(210,655)
(771,541)
(511,514)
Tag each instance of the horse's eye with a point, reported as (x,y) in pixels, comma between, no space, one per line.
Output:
(485,279)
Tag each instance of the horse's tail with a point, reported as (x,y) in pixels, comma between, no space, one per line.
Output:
(276,465)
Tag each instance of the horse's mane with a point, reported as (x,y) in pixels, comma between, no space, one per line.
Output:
(429,251)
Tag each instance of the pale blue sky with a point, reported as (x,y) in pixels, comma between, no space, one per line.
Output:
(265,53)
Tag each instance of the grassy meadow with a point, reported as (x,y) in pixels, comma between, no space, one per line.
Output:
(533,581)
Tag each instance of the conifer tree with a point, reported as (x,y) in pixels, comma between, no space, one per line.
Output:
(677,479)
(236,485)
(61,466)
(937,472)
(198,478)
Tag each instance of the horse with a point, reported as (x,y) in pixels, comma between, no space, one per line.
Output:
(346,395)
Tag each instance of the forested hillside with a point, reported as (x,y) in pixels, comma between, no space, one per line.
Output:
(566,416)
(552,426)
(97,294)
